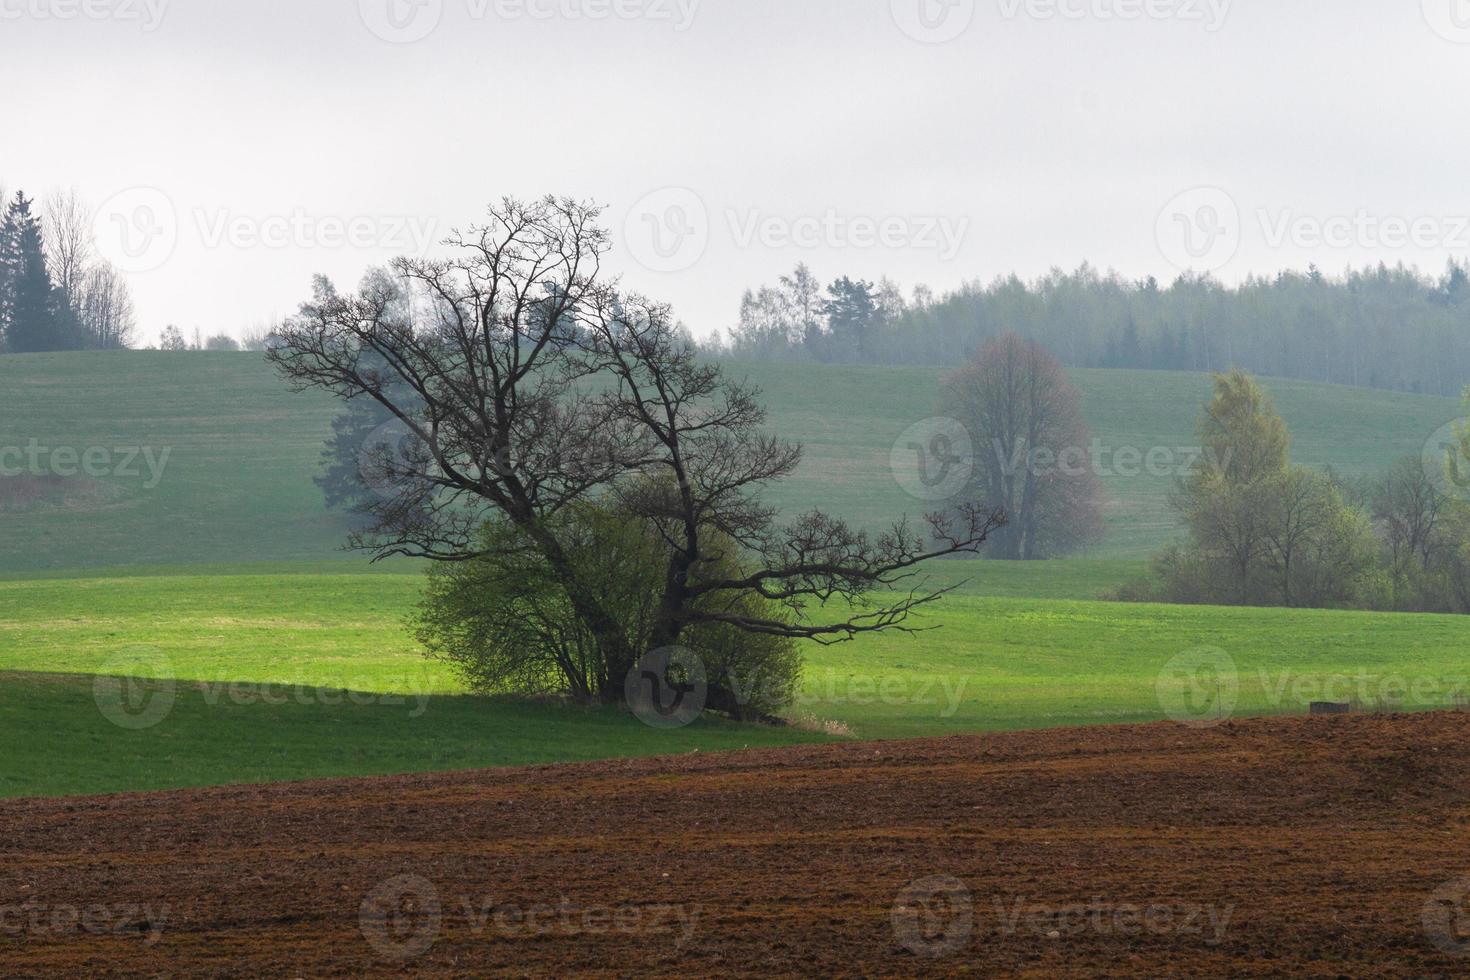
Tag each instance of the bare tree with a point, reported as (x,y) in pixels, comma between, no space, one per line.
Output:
(106,313)
(1033,450)
(69,249)
(534,384)
(1408,509)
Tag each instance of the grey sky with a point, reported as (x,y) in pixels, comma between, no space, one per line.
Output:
(836,133)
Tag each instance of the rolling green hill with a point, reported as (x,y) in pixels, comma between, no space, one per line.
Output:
(225,574)
(256,670)
(235,485)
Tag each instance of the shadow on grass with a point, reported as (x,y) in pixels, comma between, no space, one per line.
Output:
(67,734)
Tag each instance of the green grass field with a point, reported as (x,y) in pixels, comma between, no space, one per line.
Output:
(262,663)
(223,582)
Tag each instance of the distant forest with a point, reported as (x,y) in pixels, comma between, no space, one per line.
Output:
(1383,327)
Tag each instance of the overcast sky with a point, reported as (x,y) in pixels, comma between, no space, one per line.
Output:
(232,146)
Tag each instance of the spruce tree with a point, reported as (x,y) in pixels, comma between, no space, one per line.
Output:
(31,311)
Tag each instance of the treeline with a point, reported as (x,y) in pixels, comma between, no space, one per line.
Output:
(1383,327)
(55,293)
(1266,532)
(173,339)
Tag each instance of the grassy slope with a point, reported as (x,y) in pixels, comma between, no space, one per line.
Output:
(237,487)
(997,663)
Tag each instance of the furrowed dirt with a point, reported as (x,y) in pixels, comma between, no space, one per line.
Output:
(1332,847)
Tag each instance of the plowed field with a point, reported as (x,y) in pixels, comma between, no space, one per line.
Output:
(1333,847)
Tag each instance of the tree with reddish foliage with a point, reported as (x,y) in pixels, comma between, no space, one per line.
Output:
(1033,451)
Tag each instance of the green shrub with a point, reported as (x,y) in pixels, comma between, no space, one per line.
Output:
(505,624)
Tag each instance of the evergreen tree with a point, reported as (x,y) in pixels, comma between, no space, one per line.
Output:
(32,313)
(852,314)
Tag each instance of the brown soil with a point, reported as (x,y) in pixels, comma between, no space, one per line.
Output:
(1330,846)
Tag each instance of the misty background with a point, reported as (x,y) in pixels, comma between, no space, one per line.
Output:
(261,143)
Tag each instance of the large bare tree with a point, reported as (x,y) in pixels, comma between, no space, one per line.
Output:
(527,382)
